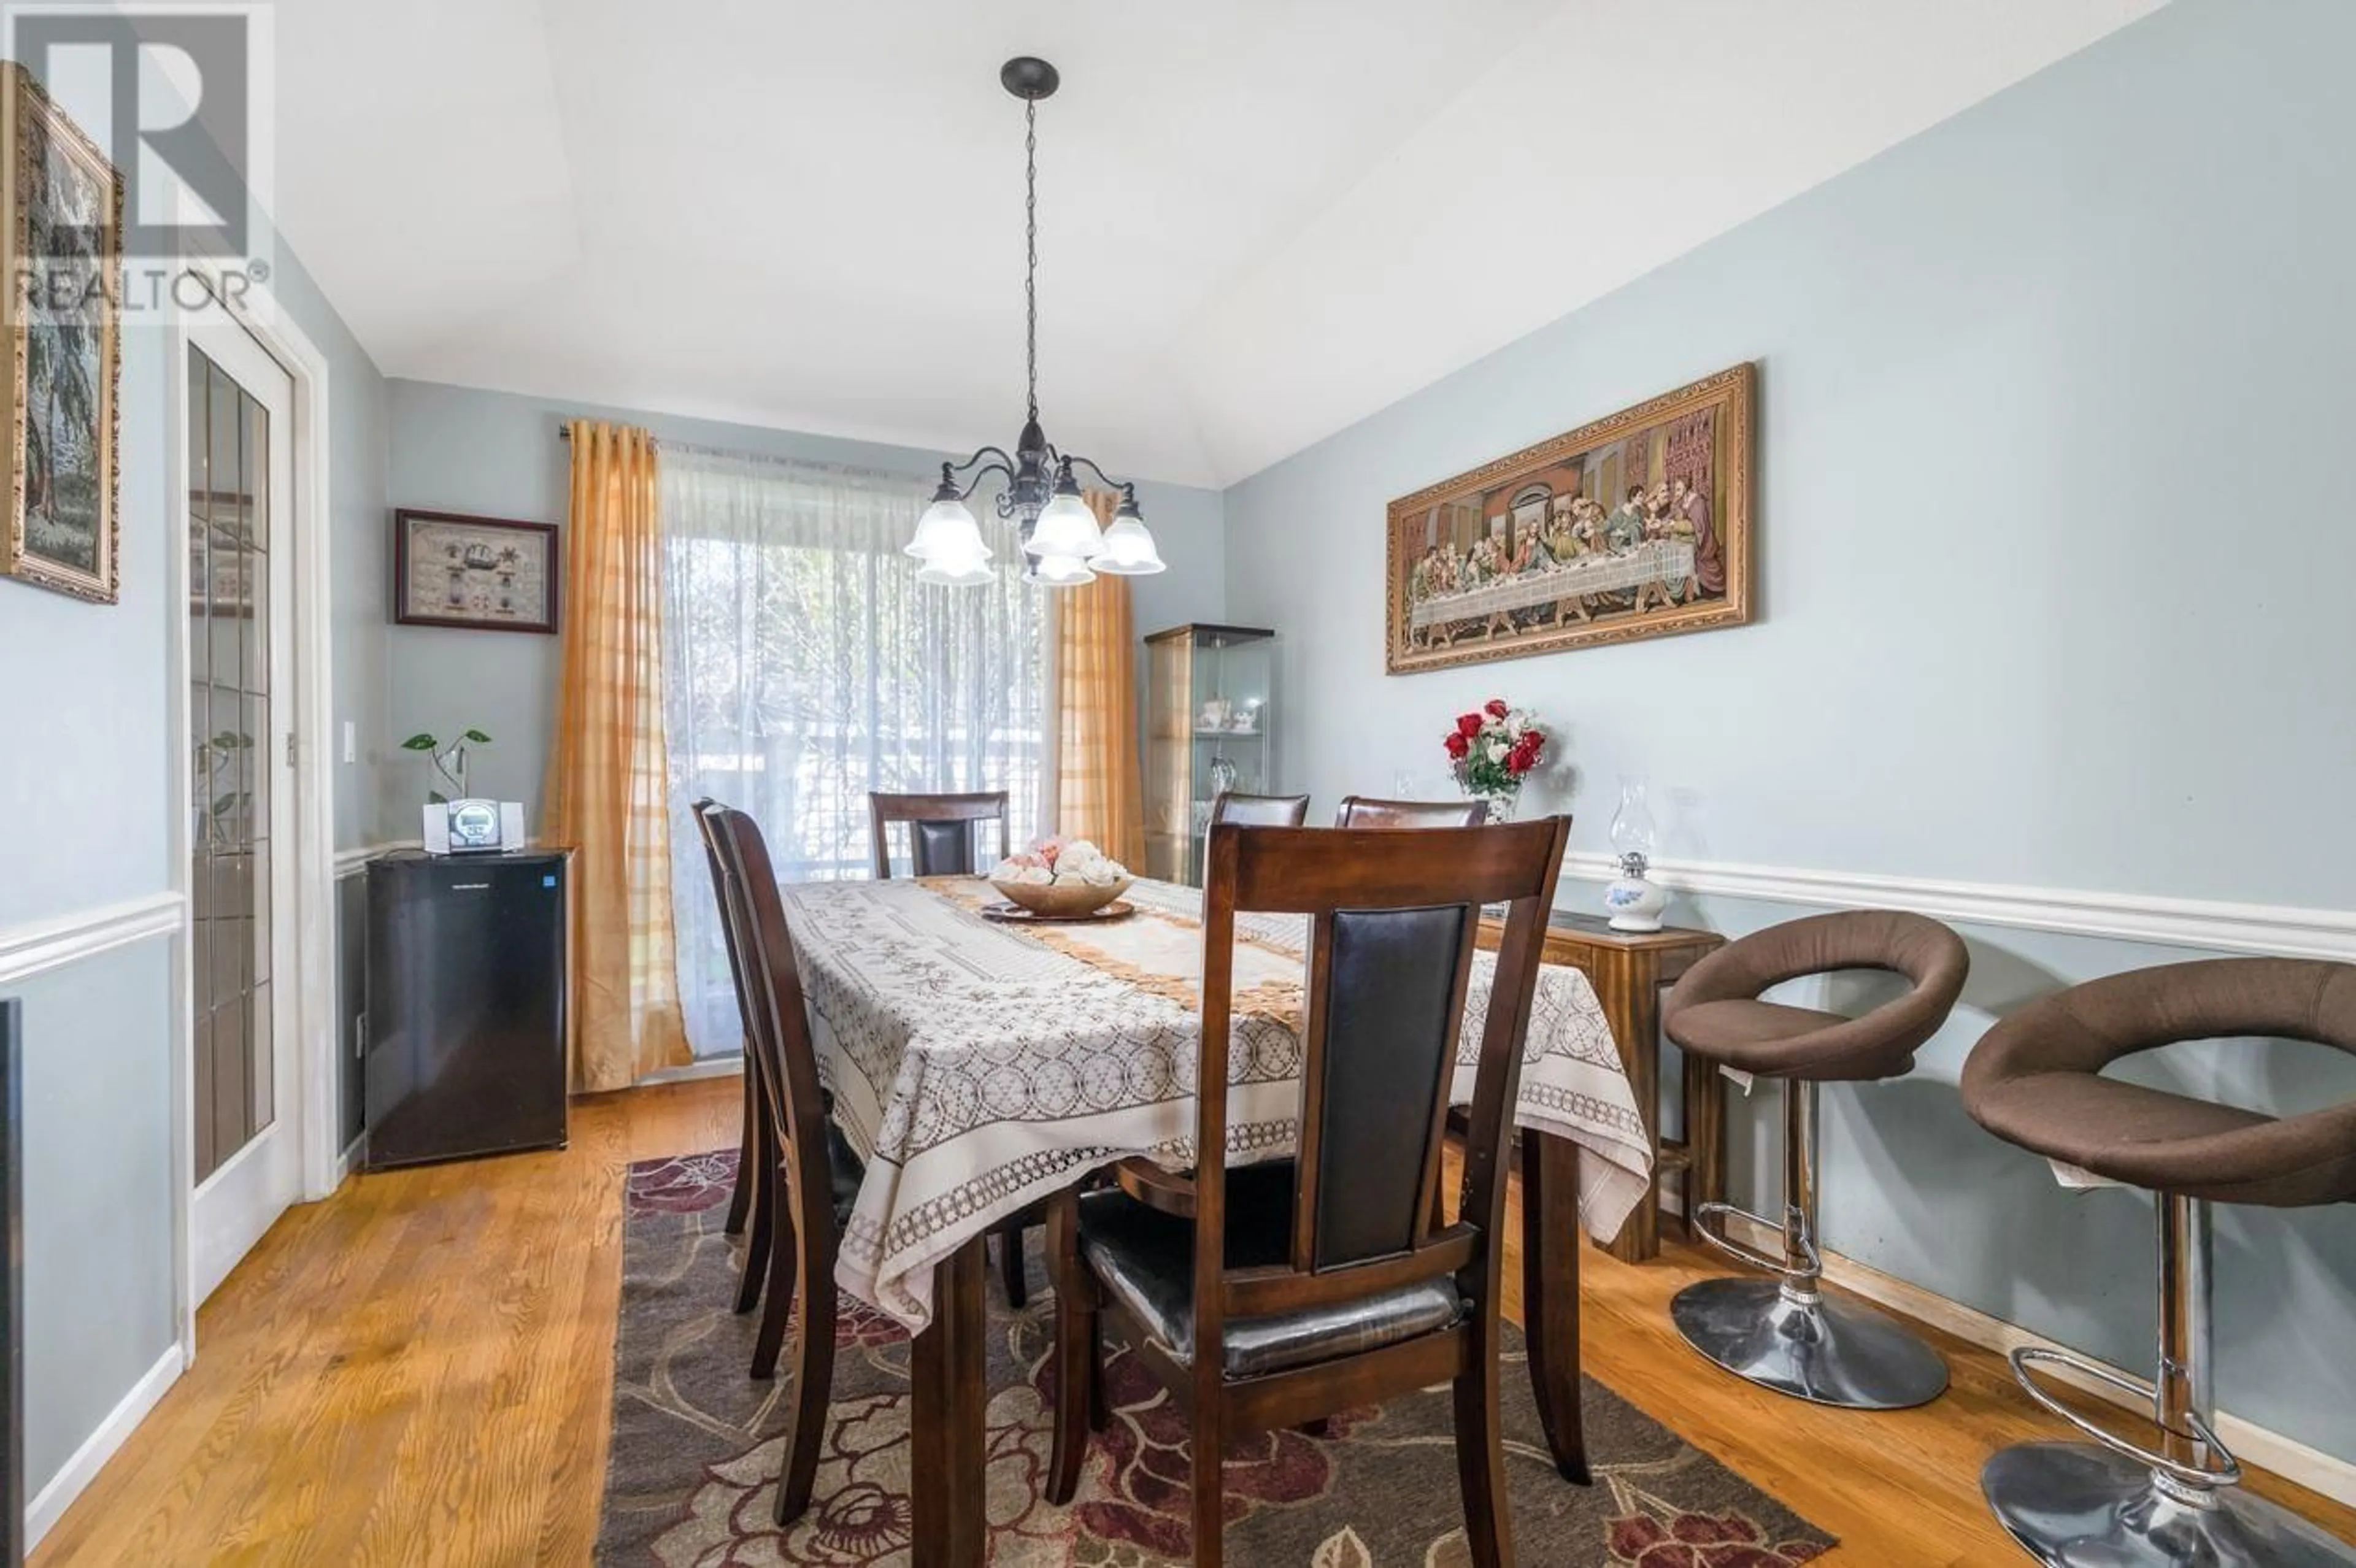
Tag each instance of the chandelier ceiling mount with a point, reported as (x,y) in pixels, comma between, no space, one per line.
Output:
(1042,494)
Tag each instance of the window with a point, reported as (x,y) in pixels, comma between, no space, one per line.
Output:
(804,665)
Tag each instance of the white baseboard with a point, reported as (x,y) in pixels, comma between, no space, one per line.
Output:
(2258,1446)
(350,1157)
(719,1067)
(49,1504)
(2282,930)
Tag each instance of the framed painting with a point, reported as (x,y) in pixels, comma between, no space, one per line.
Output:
(1636,526)
(485,575)
(61,211)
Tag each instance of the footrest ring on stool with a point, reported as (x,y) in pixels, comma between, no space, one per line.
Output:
(2225,1472)
(1704,1213)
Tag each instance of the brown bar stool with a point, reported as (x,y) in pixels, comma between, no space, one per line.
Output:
(1783,1333)
(2035,1080)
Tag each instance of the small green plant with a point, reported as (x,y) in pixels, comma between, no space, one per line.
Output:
(449,761)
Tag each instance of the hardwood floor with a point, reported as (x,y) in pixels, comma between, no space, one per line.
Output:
(418,1371)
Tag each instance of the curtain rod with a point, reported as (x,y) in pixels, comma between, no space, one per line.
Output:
(812,464)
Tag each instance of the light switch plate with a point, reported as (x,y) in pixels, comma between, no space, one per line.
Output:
(351,741)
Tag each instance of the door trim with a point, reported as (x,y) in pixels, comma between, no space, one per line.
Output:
(311,1099)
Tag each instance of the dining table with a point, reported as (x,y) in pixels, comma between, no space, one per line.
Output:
(978,1065)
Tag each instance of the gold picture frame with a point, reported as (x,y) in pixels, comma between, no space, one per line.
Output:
(61,213)
(1635,525)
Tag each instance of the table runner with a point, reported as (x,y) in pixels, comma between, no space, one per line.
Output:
(979,1066)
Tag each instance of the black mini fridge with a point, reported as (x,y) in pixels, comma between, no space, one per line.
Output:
(466,1006)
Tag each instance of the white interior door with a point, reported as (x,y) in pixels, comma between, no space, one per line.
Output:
(247,1136)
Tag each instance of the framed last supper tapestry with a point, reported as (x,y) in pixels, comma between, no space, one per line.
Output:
(1635,525)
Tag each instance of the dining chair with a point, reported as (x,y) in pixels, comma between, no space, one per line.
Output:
(748,1214)
(1364,811)
(1260,810)
(941,830)
(941,833)
(814,1176)
(1274,1295)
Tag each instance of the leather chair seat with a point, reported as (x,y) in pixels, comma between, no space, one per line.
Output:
(1146,1261)
(2036,1080)
(1715,1013)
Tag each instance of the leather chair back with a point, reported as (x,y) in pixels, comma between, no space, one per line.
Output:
(941,829)
(1364,811)
(1392,922)
(779,1035)
(707,814)
(1260,810)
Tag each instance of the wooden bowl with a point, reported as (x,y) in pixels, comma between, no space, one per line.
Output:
(1063,899)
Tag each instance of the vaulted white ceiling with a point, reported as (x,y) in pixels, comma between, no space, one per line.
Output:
(1259,219)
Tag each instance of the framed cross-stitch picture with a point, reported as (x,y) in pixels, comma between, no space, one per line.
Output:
(485,575)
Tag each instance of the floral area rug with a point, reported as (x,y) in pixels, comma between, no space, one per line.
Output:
(695,1449)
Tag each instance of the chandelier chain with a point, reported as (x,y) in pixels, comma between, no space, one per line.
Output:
(1031,244)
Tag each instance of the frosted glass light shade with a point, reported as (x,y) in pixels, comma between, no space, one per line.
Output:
(947,530)
(1128,550)
(1062,570)
(958,569)
(1066,529)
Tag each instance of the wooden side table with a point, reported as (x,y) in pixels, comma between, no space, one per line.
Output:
(1628,969)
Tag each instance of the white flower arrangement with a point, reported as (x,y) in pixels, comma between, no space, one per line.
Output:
(1066,862)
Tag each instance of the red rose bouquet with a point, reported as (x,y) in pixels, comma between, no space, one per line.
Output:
(1494,750)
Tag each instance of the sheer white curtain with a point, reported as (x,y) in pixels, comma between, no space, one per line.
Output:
(806,666)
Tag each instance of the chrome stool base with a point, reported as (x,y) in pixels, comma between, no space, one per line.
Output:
(2074,1505)
(1825,1351)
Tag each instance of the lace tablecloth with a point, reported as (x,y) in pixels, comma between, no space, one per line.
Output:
(980,1066)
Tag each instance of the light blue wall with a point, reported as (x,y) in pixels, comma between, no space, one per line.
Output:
(360,631)
(98,1187)
(88,773)
(360,553)
(497,455)
(2052,591)
(85,760)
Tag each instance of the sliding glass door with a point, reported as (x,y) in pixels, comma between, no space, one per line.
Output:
(806,666)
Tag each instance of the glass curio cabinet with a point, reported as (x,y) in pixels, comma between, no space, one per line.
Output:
(1207,721)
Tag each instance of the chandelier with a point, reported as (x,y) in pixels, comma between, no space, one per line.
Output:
(1041,496)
